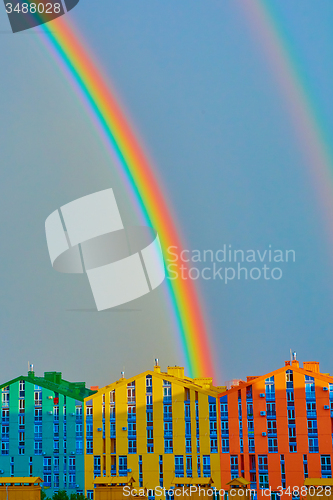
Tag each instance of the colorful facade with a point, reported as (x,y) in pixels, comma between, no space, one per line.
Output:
(276,430)
(154,427)
(42,430)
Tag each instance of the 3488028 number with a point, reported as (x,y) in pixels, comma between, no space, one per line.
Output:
(34,8)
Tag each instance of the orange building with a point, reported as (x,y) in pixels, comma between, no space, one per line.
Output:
(276,429)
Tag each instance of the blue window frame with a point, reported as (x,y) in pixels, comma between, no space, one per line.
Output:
(326,468)
(206,466)
(313,445)
(179,466)
(122,465)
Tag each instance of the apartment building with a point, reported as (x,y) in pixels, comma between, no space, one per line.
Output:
(42,430)
(155,427)
(276,429)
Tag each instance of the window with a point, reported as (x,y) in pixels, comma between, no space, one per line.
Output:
(5,432)
(21,405)
(271,409)
(249,392)
(168,446)
(251,445)
(90,494)
(313,445)
(123,465)
(199,465)
(213,445)
(71,464)
(312,427)
(131,412)
(149,384)
(271,427)
(189,466)
(212,410)
(225,445)
(249,409)
(311,409)
(167,429)
(56,481)
(38,447)
(213,427)
(290,398)
(131,392)
(78,411)
(326,470)
(132,446)
(234,466)
(188,445)
(97,466)
(283,472)
(179,466)
(291,415)
(263,463)
(263,481)
(206,466)
(22,389)
(141,471)
(224,410)
(305,466)
(225,427)
(272,445)
(38,414)
(112,396)
(47,468)
(167,409)
(5,448)
(89,447)
(79,446)
(188,428)
(89,430)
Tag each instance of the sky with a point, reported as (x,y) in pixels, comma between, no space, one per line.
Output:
(204,98)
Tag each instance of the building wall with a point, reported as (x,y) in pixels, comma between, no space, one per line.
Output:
(301,405)
(154,466)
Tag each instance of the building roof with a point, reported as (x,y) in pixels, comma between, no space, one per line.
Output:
(238,481)
(54,382)
(312,369)
(21,480)
(201,481)
(317,481)
(174,375)
(108,480)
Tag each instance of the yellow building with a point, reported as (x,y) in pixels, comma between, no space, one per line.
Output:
(154,427)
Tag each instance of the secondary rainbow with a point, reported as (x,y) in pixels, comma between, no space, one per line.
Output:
(304,116)
(138,174)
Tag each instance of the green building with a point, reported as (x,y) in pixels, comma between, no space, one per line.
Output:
(42,430)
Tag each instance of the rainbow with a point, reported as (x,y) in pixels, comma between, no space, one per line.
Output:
(304,117)
(141,180)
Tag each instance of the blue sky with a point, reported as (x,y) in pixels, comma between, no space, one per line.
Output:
(205,102)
